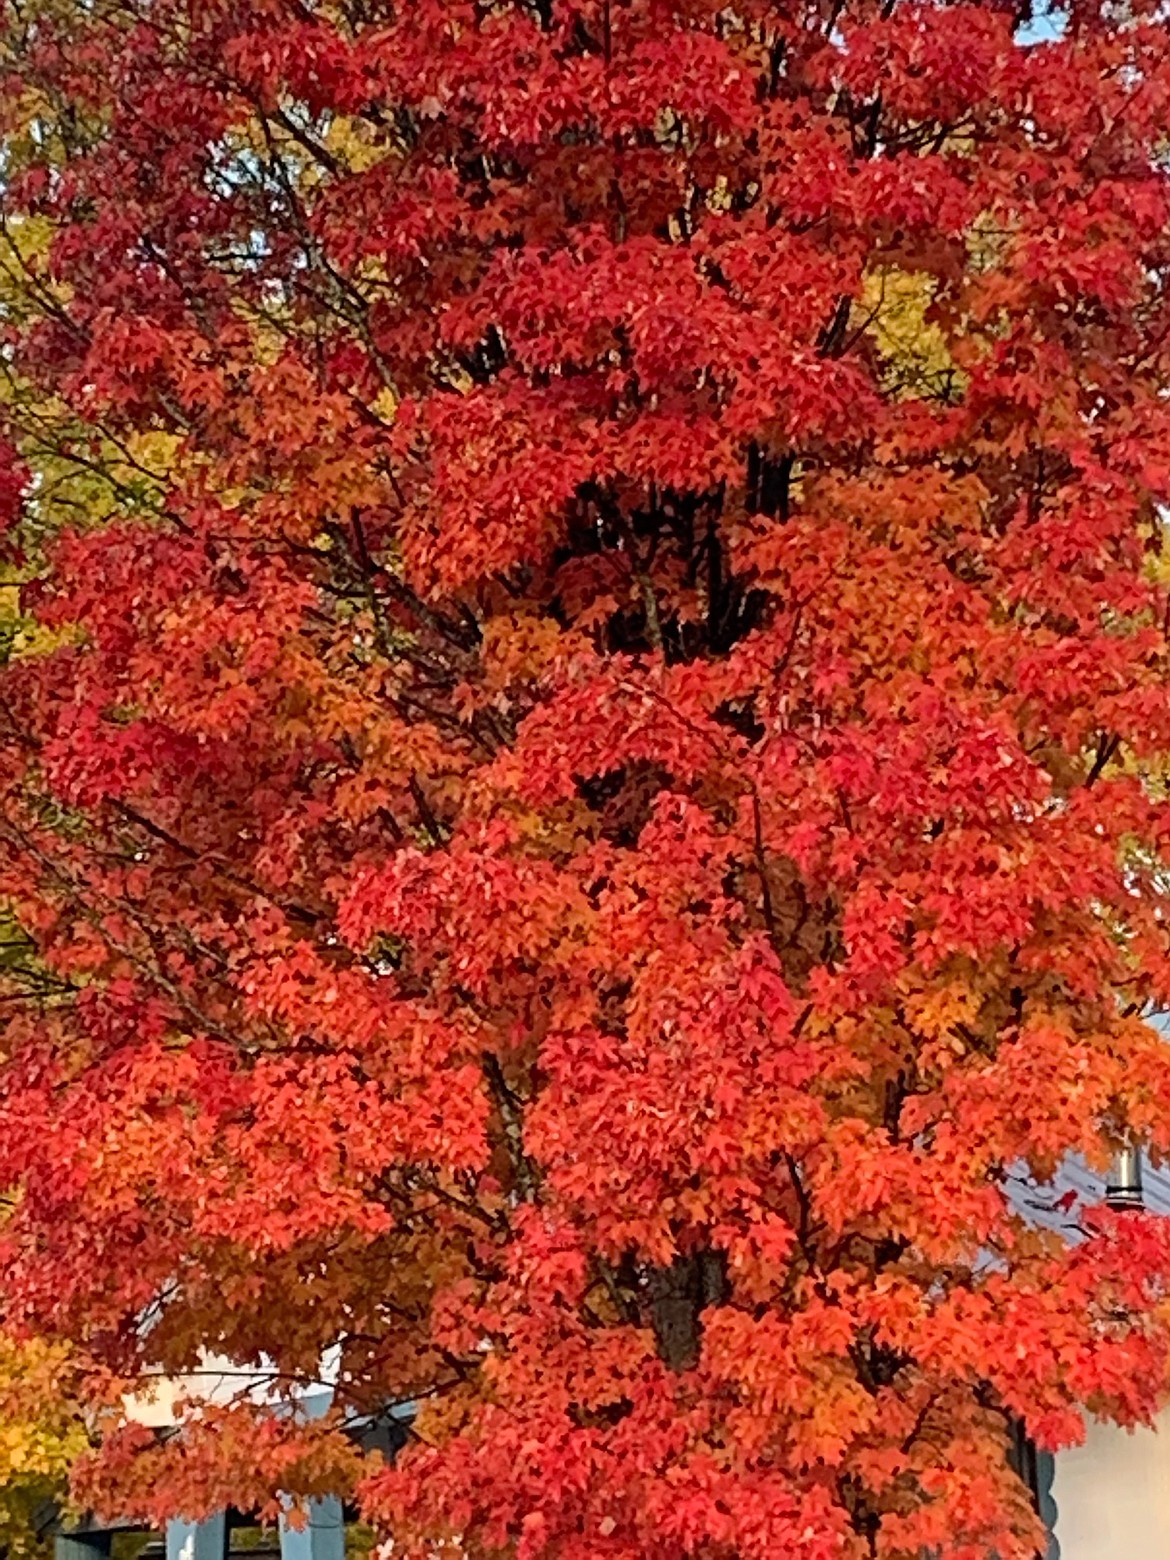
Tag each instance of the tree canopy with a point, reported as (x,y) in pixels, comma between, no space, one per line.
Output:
(584,724)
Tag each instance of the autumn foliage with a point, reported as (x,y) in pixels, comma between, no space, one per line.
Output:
(42,1436)
(583,747)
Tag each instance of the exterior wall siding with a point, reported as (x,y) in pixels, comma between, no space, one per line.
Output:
(1112,1495)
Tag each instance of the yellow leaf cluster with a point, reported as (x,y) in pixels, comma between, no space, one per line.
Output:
(41,1435)
(355,143)
(912,346)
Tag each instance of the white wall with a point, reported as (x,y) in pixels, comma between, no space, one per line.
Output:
(1112,1495)
(218,1381)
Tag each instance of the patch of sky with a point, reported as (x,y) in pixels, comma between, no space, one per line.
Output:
(1046,25)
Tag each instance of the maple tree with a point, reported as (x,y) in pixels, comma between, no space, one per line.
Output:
(583,737)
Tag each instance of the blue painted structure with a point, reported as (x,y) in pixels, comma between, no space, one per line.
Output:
(82,1546)
(322,1536)
(197,1540)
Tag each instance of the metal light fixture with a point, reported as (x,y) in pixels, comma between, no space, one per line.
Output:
(1124,1187)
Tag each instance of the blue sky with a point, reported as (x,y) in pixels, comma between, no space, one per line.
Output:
(1044,26)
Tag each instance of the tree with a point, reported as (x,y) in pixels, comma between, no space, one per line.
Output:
(42,1435)
(584,760)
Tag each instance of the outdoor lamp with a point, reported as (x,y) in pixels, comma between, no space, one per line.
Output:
(1124,1187)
